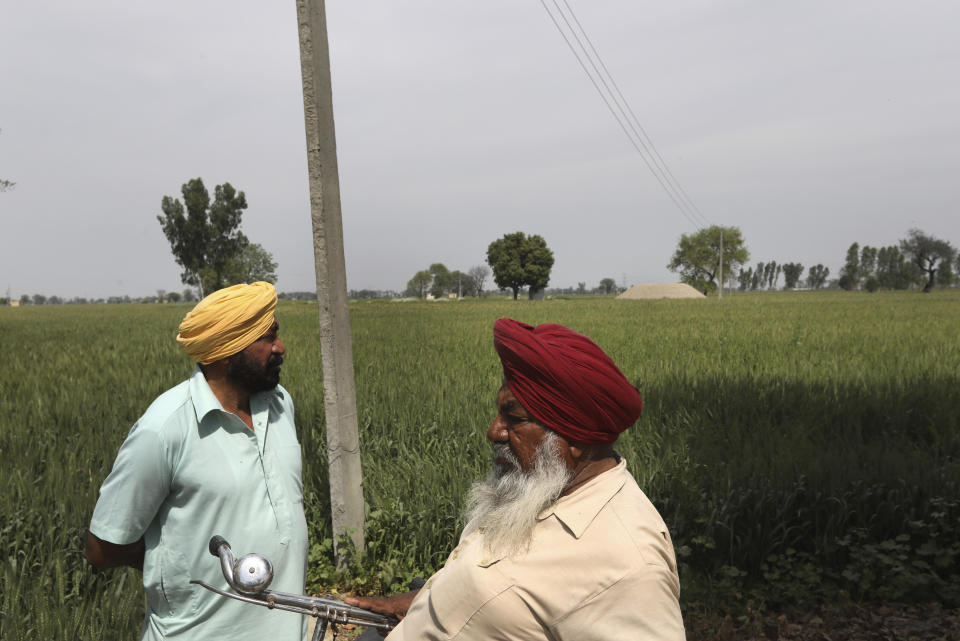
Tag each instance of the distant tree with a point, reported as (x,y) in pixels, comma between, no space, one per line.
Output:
(520,261)
(893,270)
(188,296)
(252,264)
(927,253)
(206,237)
(440,283)
(757,279)
(173,297)
(55,300)
(744,277)
(771,273)
(419,285)
(868,262)
(39,299)
(697,257)
(850,272)
(461,284)
(791,275)
(817,276)
(608,286)
(161,295)
(24,299)
(479,275)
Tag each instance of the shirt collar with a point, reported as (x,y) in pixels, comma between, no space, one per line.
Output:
(205,401)
(577,511)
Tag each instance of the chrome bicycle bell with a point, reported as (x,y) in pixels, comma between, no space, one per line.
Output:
(252,574)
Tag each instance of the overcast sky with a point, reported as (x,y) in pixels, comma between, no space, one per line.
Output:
(809,125)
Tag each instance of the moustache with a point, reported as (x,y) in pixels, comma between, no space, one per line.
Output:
(275,361)
(504,457)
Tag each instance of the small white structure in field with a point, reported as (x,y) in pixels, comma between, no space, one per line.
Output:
(660,290)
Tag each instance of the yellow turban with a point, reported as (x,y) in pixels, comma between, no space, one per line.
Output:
(227,321)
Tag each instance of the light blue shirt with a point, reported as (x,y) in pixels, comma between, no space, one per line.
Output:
(189,470)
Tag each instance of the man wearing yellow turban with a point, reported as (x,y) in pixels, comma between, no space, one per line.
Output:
(217,454)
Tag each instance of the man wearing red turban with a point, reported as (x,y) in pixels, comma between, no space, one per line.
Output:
(560,542)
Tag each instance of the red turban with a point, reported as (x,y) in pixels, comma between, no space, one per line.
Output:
(565,381)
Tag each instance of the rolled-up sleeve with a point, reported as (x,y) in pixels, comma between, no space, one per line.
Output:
(134,490)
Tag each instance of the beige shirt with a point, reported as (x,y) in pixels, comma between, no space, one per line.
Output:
(601,566)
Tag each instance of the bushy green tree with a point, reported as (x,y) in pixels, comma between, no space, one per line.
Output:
(441,280)
(608,286)
(791,275)
(253,263)
(817,276)
(419,285)
(518,260)
(893,269)
(927,253)
(204,237)
(697,257)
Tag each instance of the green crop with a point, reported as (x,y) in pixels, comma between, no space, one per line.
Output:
(801,446)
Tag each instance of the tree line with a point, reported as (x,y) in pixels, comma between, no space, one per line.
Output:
(917,260)
(517,261)
(438,282)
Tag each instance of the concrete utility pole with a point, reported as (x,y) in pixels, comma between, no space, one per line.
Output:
(339,394)
(720,295)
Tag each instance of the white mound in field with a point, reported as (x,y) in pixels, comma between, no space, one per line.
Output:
(660,290)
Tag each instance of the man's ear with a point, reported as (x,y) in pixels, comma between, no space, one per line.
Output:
(576,451)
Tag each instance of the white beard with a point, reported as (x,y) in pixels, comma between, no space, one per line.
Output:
(504,506)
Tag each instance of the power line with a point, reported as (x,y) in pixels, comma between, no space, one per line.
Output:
(642,133)
(620,109)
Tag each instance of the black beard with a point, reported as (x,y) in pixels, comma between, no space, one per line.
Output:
(249,375)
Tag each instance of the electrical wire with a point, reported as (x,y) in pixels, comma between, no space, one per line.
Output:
(621,110)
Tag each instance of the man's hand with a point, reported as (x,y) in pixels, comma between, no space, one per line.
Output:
(395,606)
(104,554)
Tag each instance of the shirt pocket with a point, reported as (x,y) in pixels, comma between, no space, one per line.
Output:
(178,595)
(456,598)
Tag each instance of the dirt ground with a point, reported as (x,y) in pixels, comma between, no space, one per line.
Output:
(873,622)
